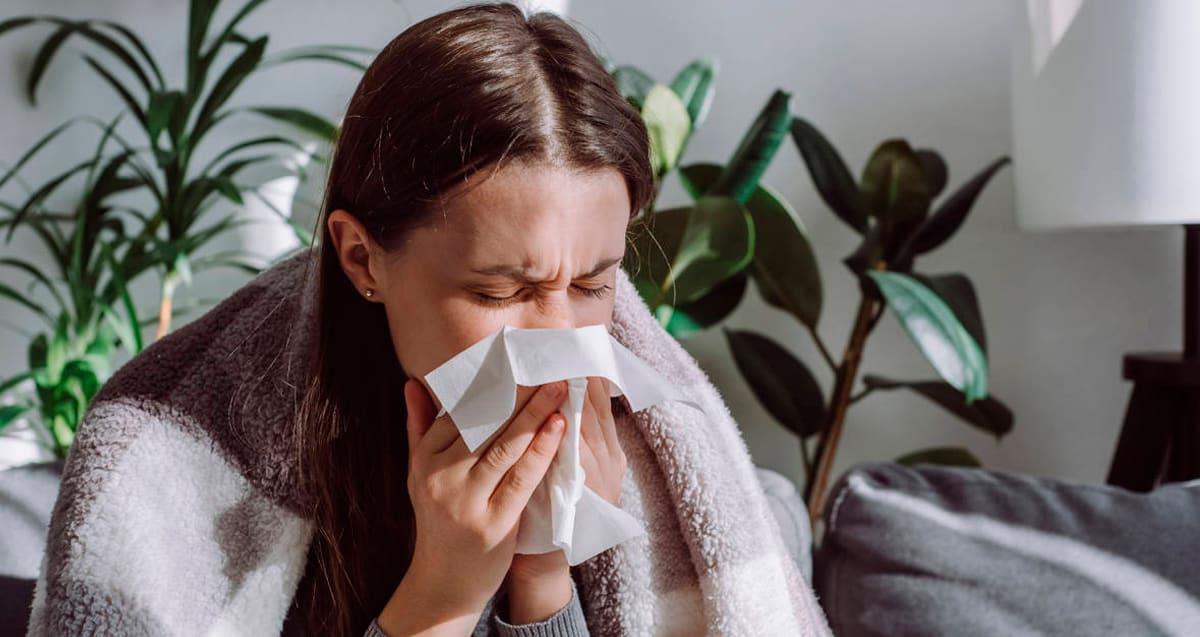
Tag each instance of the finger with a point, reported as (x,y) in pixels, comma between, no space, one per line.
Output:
(587,458)
(491,462)
(589,427)
(608,423)
(517,485)
(433,433)
(420,413)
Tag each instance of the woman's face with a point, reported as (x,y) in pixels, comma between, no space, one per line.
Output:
(530,247)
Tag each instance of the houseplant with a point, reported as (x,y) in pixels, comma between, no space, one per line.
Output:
(692,265)
(143,206)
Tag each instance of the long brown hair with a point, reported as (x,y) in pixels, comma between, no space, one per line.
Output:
(461,91)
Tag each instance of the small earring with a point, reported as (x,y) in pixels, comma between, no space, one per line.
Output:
(370,293)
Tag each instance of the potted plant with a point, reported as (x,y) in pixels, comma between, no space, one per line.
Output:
(692,265)
(144,200)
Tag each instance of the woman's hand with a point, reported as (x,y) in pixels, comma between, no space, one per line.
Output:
(539,584)
(467,507)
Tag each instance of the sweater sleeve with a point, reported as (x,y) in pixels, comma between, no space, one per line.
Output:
(568,621)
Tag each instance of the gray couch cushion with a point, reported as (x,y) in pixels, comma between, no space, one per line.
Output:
(938,550)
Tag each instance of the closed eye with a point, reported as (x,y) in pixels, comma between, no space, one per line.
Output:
(500,301)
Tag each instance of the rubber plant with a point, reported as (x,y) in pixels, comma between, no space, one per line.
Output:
(143,199)
(692,266)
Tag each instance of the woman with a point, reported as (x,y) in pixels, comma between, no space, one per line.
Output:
(277,461)
(485,174)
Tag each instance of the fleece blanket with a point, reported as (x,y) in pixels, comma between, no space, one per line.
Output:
(180,511)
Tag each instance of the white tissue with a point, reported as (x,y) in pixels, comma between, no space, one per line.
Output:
(478,387)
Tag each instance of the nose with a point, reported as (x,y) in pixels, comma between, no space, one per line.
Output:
(549,314)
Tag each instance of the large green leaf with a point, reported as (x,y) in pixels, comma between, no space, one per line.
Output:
(694,86)
(785,265)
(987,414)
(936,331)
(756,150)
(668,125)
(781,382)
(830,174)
(712,308)
(958,292)
(949,456)
(680,254)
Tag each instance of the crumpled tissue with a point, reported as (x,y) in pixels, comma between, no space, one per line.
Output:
(478,388)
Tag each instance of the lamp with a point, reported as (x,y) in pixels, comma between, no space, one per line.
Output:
(1106,129)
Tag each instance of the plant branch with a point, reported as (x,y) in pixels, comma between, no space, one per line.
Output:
(861,395)
(823,349)
(839,402)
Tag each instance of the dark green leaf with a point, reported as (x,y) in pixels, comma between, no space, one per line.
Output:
(685,252)
(158,115)
(933,167)
(756,150)
(894,191)
(785,266)
(943,223)
(46,139)
(830,175)
(42,59)
(780,381)
(13,295)
(988,414)
(38,349)
(127,97)
(9,413)
(319,53)
(233,76)
(951,456)
(708,310)
(302,119)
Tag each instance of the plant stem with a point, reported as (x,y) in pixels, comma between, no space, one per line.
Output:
(860,395)
(164,312)
(840,400)
(804,457)
(824,350)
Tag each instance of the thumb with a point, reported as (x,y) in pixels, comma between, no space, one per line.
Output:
(420,412)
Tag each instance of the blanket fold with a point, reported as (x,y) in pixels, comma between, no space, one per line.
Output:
(181,513)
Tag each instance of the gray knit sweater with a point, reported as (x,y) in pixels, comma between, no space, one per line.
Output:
(567,622)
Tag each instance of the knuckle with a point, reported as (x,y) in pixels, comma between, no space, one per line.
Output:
(521,480)
(499,454)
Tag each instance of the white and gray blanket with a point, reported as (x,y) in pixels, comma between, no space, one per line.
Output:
(180,511)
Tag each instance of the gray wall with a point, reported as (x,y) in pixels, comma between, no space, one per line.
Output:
(1060,308)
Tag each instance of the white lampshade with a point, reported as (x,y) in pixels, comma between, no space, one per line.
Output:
(1106,113)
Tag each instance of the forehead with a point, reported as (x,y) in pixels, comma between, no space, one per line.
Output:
(537,207)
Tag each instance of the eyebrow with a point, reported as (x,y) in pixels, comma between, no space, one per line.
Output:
(519,272)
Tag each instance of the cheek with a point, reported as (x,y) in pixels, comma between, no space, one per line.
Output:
(427,335)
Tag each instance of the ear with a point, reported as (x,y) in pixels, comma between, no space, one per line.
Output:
(356,252)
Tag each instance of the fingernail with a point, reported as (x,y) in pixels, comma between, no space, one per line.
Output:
(556,423)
